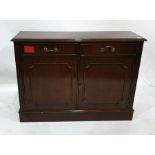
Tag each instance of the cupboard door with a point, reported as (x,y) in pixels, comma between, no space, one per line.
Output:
(49,83)
(105,82)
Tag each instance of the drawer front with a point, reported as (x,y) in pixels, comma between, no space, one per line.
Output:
(49,49)
(108,48)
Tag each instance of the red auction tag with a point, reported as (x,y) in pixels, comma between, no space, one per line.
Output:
(29,49)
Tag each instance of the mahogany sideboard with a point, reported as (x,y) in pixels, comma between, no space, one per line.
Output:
(77,76)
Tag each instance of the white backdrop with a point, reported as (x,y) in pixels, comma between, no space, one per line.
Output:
(145,94)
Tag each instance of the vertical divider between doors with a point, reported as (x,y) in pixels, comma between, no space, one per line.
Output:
(78,75)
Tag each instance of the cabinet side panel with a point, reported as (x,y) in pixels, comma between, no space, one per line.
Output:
(18,60)
(135,75)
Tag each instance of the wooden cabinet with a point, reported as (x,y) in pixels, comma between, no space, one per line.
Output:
(67,76)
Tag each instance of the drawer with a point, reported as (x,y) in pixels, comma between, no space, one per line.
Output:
(49,49)
(108,48)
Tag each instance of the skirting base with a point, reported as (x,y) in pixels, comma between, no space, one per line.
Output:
(75,115)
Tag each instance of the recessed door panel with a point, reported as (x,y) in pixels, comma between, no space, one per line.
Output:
(50,83)
(105,82)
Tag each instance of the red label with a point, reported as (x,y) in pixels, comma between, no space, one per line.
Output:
(29,49)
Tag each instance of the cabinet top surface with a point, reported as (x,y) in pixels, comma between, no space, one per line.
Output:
(78,36)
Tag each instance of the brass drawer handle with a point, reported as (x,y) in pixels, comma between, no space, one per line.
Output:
(104,49)
(54,50)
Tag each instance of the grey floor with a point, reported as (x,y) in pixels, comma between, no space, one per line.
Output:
(143,121)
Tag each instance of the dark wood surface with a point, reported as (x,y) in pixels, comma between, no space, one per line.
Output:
(75,115)
(43,36)
(80,80)
(50,83)
(105,82)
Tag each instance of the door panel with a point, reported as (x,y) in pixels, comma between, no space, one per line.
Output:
(105,82)
(50,83)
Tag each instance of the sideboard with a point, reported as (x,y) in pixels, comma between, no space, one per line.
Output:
(77,76)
